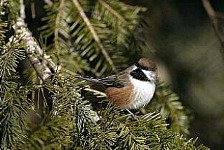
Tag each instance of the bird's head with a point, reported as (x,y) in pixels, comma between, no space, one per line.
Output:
(144,70)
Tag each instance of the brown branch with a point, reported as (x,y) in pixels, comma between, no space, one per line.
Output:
(39,60)
(33,10)
(214,19)
(32,49)
(56,32)
(95,36)
(22,10)
(211,13)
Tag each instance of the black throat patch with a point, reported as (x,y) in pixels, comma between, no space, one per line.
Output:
(139,74)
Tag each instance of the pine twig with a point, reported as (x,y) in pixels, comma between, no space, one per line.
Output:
(48,2)
(40,61)
(56,32)
(95,36)
(213,17)
(32,49)
(110,9)
(22,10)
(96,92)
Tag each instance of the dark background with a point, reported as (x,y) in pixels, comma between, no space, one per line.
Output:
(182,35)
(188,53)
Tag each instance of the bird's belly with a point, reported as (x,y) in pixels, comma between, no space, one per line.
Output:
(142,98)
(144,92)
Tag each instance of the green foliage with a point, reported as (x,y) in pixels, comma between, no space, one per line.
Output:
(51,134)
(11,54)
(53,114)
(167,103)
(3,25)
(83,39)
(13,102)
(14,107)
(119,131)
(6,12)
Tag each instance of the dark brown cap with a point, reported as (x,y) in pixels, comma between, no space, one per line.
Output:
(146,64)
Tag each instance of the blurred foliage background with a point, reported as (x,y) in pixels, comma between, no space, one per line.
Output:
(182,36)
(182,40)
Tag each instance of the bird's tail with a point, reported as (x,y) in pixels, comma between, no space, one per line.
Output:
(95,91)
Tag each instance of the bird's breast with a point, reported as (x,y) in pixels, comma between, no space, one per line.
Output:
(144,92)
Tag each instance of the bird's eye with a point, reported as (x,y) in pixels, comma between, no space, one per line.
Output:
(145,68)
(137,65)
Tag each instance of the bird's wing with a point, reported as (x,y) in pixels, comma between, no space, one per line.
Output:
(112,81)
(118,80)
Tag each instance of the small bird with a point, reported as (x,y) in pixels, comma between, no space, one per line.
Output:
(130,89)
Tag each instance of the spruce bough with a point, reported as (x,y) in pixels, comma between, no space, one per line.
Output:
(41,102)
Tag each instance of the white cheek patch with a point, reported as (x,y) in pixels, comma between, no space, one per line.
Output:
(150,75)
(134,68)
(147,73)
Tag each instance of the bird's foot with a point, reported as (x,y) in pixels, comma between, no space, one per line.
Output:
(133,117)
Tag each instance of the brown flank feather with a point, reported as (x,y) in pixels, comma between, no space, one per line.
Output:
(120,96)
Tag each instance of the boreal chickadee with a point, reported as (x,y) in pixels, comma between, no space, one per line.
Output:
(129,89)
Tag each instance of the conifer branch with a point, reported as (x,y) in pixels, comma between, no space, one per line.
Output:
(48,2)
(32,49)
(22,10)
(72,123)
(214,20)
(39,60)
(114,12)
(95,36)
(56,32)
